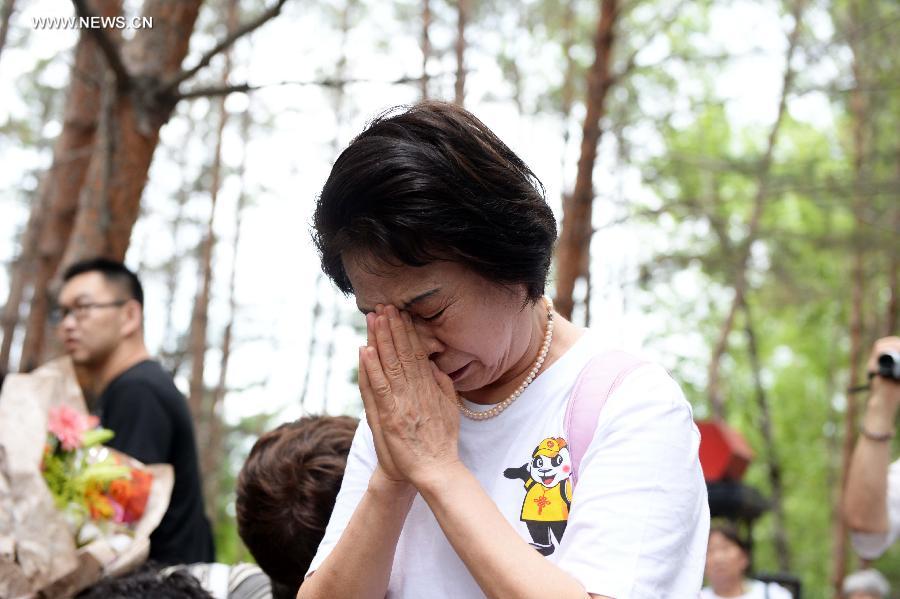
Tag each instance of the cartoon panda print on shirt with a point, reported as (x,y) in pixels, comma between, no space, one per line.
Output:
(548,492)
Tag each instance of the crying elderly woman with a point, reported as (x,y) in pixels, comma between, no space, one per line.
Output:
(503,454)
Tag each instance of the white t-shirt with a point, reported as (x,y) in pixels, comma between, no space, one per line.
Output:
(639,517)
(756,589)
(872,545)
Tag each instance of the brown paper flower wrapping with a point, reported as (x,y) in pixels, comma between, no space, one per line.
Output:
(38,557)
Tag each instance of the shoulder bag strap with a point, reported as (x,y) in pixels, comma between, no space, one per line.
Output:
(596,382)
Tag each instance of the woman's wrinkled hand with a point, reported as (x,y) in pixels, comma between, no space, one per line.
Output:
(410,404)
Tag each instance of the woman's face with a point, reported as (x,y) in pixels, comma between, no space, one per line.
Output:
(726,562)
(475,331)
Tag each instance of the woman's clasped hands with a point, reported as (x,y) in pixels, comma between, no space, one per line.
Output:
(410,404)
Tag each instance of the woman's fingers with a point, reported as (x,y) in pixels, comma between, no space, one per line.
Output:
(402,343)
(420,354)
(370,330)
(378,381)
(372,417)
(366,391)
(370,324)
(387,355)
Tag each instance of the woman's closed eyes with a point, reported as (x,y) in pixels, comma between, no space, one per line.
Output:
(434,316)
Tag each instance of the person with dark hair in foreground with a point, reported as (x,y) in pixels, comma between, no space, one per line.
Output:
(99,319)
(286,492)
(727,564)
(460,482)
(147,582)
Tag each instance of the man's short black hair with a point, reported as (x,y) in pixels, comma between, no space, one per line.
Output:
(430,183)
(114,272)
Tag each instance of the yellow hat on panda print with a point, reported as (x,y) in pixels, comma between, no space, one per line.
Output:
(550,447)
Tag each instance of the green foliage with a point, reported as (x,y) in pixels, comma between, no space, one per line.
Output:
(239,438)
(799,273)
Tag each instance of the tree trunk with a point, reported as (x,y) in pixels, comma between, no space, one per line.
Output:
(832,441)
(462,17)
(5,17)
(567,99)
(173,347)
(859,112)
(773,462)
(716,401)
(19,273)
(311,350)
(200,316)
(893,303)
(152,56)
(212,468)
(105,200)
(48,232)
(147,79)
(573,251)
(426,46)
(839,564)
(329,354)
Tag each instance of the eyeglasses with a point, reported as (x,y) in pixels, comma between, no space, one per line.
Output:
(81,311)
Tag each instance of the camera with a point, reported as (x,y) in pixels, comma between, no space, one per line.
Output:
(889,365)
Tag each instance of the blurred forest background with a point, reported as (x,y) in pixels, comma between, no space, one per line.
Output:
(726,174)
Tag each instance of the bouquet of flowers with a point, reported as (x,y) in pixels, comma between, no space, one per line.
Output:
(71,510)
(91,485)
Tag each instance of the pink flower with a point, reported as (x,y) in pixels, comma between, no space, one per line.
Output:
(119,514)
(68,424)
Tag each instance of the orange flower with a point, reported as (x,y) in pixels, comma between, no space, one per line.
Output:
(131,494)
(141,480)
(98,504)
(119,490)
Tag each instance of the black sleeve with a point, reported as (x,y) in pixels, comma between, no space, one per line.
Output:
(141,424)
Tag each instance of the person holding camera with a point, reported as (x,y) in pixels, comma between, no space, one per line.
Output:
(872,501)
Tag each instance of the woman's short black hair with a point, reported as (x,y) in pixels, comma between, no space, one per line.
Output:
(431,182)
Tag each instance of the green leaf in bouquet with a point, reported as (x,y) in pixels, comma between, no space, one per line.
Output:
(103,473)
(96,436)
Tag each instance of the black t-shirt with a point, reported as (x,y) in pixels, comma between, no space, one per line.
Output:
(152,423)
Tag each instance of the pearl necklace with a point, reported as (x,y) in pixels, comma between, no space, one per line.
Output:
(542,355)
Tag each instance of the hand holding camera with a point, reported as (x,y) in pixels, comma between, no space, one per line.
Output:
(888,365)
(884,371)
(884,361)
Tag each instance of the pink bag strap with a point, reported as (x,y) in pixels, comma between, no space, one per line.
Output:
(596,382)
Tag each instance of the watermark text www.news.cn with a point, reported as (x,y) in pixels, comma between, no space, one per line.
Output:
(92,22)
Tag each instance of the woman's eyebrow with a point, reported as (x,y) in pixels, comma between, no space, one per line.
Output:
(408,304)
(420,297)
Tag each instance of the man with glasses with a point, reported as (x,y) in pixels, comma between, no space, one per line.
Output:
(99,319)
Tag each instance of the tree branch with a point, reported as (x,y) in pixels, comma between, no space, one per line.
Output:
(631,61)
(214,91)
(107,46)
(5,17)
(172,85)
